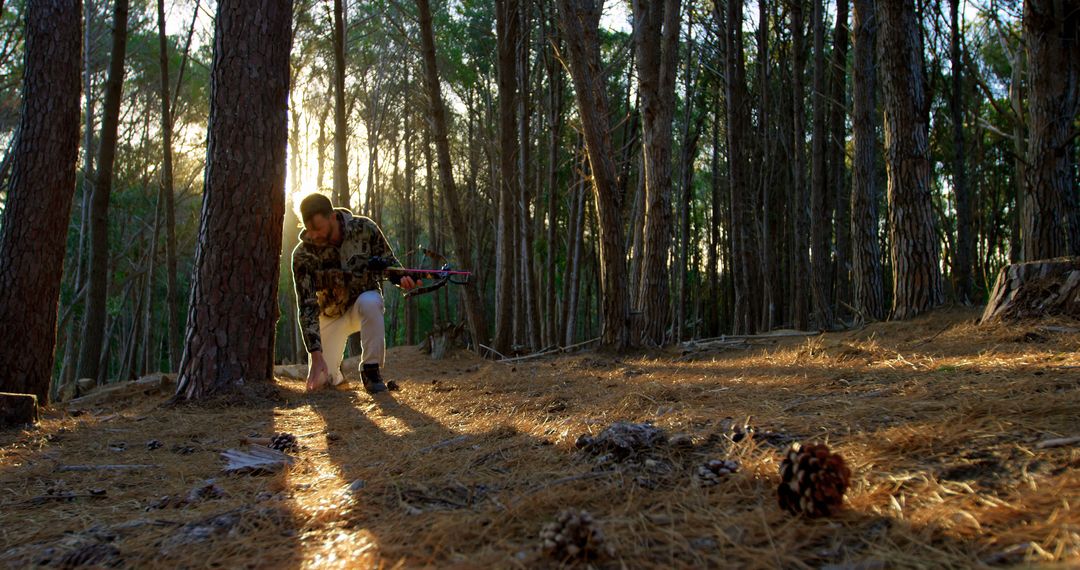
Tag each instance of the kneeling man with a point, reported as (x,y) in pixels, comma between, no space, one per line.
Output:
(338,294)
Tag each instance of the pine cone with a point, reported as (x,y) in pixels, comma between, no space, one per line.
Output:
(715,470)
(574,536)
(283,442)
(812,480)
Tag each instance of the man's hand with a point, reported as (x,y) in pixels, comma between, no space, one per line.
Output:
(408,283)
(318,373)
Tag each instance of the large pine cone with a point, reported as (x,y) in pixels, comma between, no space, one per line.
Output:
(812,480)
(284,442)
(575,535)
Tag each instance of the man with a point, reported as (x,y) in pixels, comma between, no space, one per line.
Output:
(339,294)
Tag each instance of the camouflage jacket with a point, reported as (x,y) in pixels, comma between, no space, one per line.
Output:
(328,279)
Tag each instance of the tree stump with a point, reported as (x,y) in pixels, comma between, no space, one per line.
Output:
(17,409)
(1036,289)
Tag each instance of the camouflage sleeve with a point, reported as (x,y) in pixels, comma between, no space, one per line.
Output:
(307,302)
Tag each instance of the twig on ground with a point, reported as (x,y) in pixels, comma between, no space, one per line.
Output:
(1057,442)
(63,468)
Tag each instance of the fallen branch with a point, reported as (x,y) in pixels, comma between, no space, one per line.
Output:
(1058,442)
(546,352)
(131,467)
(763,336)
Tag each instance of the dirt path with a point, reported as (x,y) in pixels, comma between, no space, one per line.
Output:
(939,421)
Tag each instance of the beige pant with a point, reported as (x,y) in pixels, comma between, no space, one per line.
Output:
(365,316)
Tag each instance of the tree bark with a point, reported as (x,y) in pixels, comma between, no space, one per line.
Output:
(530,307)
(745,270)
(1035,290)
(507,32)
(173,287)
(657,48)
(462,244)
(913,241)
(233,312)
(580,20)
(97,293)
(801,198)
(1053,50)
(838,159)
(341,130)
(866,257)
(965,239)
(820,214)
(37,207)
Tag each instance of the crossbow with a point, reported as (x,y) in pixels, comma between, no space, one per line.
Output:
(438,276)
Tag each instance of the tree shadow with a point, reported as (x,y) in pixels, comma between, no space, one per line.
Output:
(60,507)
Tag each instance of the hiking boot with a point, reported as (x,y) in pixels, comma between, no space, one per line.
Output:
(371,378)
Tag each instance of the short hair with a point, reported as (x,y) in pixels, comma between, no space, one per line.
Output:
(314,204)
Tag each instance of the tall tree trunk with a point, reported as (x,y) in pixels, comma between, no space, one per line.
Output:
(434,236)
(866,257)
(70,358)
(507,26)
(691,130)
(530,307)
(717,220)
(341,131)
(573,259)
(412,313)
(37,207)
(580,20)
(801,198)
(149,363)
(657,49)
(820,218)
(767,173)
(965,239)
(744,211)
(913,241)
(1053,50)
(97,293)
(555,121)
(234,311)
(838,157)
(173,287)
(462,244)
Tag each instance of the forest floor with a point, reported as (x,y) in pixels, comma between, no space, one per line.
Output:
(940,421)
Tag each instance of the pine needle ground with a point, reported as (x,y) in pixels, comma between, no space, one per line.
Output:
(938,419)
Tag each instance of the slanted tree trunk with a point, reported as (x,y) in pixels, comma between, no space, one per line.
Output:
(97,294)
(474,308)
(341,130)
(657,48)
(912,239)
(1036,290)
(507,25)
(1053,49)
(580,20)
(965,239)
(37,208)
(173,287)
(234,311)
(866,257)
